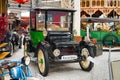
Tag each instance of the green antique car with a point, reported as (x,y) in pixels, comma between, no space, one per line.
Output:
(105,30)
(52,40)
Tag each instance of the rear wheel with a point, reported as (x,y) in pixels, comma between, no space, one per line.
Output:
(11,49)
(86,64)
(43,62)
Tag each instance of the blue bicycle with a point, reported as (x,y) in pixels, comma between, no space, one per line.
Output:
(17,69)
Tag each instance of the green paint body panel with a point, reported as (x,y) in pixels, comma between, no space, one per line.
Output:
(99,35)
(36,37)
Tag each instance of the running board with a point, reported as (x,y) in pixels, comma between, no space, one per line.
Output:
(3,45)
(4,54)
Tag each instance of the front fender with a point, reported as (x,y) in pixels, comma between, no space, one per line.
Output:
(83,43)
(44,44)
(88,45)
(47,46)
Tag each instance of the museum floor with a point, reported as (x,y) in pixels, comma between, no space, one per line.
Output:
(72,71)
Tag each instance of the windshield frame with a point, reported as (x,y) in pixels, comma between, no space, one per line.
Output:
(56,19)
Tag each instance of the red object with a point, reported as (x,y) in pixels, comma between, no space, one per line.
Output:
(3,27)
(21,1)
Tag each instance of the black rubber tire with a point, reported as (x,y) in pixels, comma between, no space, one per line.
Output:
(20,42)
(24,40)
(15,39)
(28,48)
(115,38)
(94,50)
(42,60)
(90,52)
(11,49)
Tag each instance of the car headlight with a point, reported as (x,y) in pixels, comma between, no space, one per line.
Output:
(56,52)
(26,60)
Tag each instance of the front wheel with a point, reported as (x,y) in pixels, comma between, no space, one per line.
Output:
(43,61)
(86,64)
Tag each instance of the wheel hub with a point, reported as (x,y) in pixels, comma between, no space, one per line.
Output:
(85,62)
(83,58)
(41,61)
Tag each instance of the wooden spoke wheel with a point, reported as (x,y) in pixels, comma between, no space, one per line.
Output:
(86,64)
(42,60)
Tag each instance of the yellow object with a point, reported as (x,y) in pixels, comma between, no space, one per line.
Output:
(4,54)
(118,32)
(3,44)
(3,6)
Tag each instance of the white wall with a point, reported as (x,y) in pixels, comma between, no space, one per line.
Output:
(25,14)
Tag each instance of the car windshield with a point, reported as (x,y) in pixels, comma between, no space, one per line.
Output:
(56,20)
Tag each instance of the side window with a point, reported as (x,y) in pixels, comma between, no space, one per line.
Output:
(50,18)
(40,20)
(32,20)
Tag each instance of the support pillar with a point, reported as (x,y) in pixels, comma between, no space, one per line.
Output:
(76,25)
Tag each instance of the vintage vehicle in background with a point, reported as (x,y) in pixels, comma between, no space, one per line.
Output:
(16,32)
(52,39)
(5,45)
(105,30)
(9,39)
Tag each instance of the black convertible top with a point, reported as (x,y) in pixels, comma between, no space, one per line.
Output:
(54,9)
(99,20)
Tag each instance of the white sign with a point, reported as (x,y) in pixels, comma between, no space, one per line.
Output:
(69,57)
